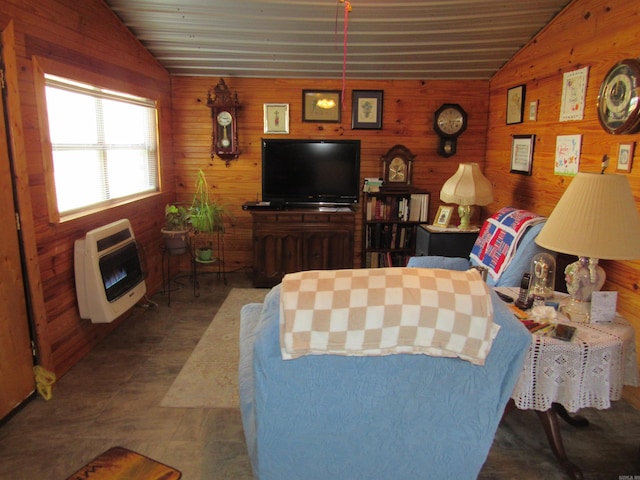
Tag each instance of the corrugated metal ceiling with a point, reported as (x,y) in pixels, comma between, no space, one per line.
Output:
(410,39)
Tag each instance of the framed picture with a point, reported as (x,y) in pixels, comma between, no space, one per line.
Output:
(276,118)
(321,106)
(522,154)
(515,104)
(443,216)
(567,154)
(366,109)
(574,90)
(625,157)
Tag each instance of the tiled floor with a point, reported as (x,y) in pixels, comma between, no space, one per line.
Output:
(112,398)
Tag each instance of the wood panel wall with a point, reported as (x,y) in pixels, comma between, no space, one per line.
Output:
(408,108)
(87,42)
(592,33)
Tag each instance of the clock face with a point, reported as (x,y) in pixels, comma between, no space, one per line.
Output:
(450,120)
(397,170)
(618,100)
(224,118)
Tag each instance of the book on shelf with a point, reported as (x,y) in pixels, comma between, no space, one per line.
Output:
(419,207)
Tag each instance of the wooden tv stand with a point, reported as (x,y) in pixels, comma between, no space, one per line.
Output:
(287,241)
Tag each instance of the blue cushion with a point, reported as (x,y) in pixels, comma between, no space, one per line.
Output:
(435,261)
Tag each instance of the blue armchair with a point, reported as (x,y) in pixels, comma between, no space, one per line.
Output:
(328,417)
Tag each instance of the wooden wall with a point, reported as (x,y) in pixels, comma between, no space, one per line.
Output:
(593,33)
(407,120)
(87,42)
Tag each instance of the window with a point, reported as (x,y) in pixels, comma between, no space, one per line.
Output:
(104,144)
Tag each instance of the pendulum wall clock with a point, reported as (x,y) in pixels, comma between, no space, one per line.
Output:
(224,112)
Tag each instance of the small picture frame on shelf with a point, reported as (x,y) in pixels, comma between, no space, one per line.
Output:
(625,157)
(443,216)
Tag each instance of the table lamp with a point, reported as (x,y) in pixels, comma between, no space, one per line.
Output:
(467,187)
(596,218)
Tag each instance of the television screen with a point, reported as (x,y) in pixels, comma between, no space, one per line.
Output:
(302,172)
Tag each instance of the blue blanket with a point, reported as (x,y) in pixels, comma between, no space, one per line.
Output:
(363,418)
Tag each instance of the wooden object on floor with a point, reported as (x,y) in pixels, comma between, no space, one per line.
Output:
(118,463)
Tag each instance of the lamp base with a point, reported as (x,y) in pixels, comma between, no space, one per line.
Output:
(465,212)
(583,277)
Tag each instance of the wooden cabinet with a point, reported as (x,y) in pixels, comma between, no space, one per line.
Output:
(390,220)
(301,239)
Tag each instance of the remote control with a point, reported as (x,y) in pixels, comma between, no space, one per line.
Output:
(504,297)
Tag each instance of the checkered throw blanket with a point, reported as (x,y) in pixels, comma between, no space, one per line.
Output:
(497,242)
(384,311)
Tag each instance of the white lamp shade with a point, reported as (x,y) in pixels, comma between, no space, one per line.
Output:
(596,217)
(467,187)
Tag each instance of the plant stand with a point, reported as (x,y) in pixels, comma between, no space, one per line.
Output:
(214,241)
(167,253)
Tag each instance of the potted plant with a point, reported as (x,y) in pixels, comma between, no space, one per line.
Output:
(176,229)
(206,216)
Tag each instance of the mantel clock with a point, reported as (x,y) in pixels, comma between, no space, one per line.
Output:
(396,168)
(224,113)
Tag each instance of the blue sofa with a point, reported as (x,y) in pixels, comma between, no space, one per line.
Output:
(365,418)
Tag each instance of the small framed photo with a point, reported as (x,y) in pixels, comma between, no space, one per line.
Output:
(276,118)
(522,154)
(515,104)
(321,106)
(625,157)
(443,216)
(366,109)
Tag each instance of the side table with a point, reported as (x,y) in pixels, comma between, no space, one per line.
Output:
(559,377)
(446,242)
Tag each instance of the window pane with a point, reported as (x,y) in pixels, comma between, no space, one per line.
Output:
(128,172)
(72,117)
(104,144)
(77,174)
(124,124)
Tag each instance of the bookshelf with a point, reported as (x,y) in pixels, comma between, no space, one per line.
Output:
(390,222)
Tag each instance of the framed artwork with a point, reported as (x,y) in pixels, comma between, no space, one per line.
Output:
(574,90)
(515,104)
(443,216)
(567,154)
(276,118)
(522,154)
(366,109)
(625,157)
(321,106)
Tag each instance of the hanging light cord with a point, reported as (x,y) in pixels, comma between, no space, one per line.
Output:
(347,9)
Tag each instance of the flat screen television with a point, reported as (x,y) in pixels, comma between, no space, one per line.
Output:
(310,172)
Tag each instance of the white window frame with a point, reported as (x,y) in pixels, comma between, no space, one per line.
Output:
(107,200)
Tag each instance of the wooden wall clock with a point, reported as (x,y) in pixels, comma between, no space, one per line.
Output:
(224,113)
(449,121)
(396,168)
(619,98)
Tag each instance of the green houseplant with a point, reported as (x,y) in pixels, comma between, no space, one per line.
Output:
(206,216)
(176,229)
